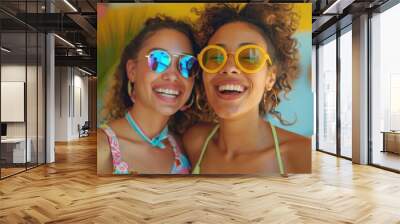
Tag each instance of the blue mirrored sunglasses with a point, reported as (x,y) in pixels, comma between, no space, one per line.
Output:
(159,61)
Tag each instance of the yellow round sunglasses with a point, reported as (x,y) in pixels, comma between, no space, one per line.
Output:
(248,58)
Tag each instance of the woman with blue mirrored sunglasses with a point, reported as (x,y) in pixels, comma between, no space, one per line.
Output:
(159,60)
(145,111)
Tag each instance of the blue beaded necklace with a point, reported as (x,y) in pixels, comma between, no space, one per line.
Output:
(156,141)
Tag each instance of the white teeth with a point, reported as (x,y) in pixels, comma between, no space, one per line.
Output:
(166,95)
(231,87)
(167,91)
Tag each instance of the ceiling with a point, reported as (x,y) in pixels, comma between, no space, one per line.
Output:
(332,15)
(72,20)
(76,20)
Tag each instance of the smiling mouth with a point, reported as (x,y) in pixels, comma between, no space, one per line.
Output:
(166,92)
(231,89)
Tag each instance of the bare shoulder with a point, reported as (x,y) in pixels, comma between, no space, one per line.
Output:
(194,138)
(118,126)
(104,157)
(296,151)
(288,136)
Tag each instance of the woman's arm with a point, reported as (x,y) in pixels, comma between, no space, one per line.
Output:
(299,156)
(104,157)
(296,151)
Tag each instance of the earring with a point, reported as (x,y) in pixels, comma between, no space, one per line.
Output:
(273,96)
(129,88)
(275,99)
(131,91)
(198,103)
(265,97)
(185,107)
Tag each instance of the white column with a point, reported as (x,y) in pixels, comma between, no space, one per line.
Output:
(50,81)
(360,90)
(50,93)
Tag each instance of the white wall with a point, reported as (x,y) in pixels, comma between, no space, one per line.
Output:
(16,73)
(61,103)
(80,115)
(71,93)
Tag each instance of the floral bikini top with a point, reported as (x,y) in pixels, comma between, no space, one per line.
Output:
(181,163)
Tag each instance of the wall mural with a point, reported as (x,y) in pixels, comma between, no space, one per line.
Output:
(212,88)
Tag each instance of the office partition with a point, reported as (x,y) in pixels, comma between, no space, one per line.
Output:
(22,77)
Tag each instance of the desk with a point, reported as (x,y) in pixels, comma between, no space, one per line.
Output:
(391,141)
(16,147)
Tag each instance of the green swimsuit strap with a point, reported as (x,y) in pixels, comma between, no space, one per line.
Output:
(196,169)
(278,152)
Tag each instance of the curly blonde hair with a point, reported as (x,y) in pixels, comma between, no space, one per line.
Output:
(277,23)
(118,101)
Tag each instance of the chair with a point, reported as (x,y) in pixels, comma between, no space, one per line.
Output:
(84,130)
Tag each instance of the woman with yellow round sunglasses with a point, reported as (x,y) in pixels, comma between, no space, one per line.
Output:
(249,58)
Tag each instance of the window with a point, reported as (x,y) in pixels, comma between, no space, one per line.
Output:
(346,93)
(327,96)
(385,89)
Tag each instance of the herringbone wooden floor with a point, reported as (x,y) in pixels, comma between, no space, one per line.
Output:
(70,192)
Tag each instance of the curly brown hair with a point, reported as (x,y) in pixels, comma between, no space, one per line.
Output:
(277,23)
(118,102)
